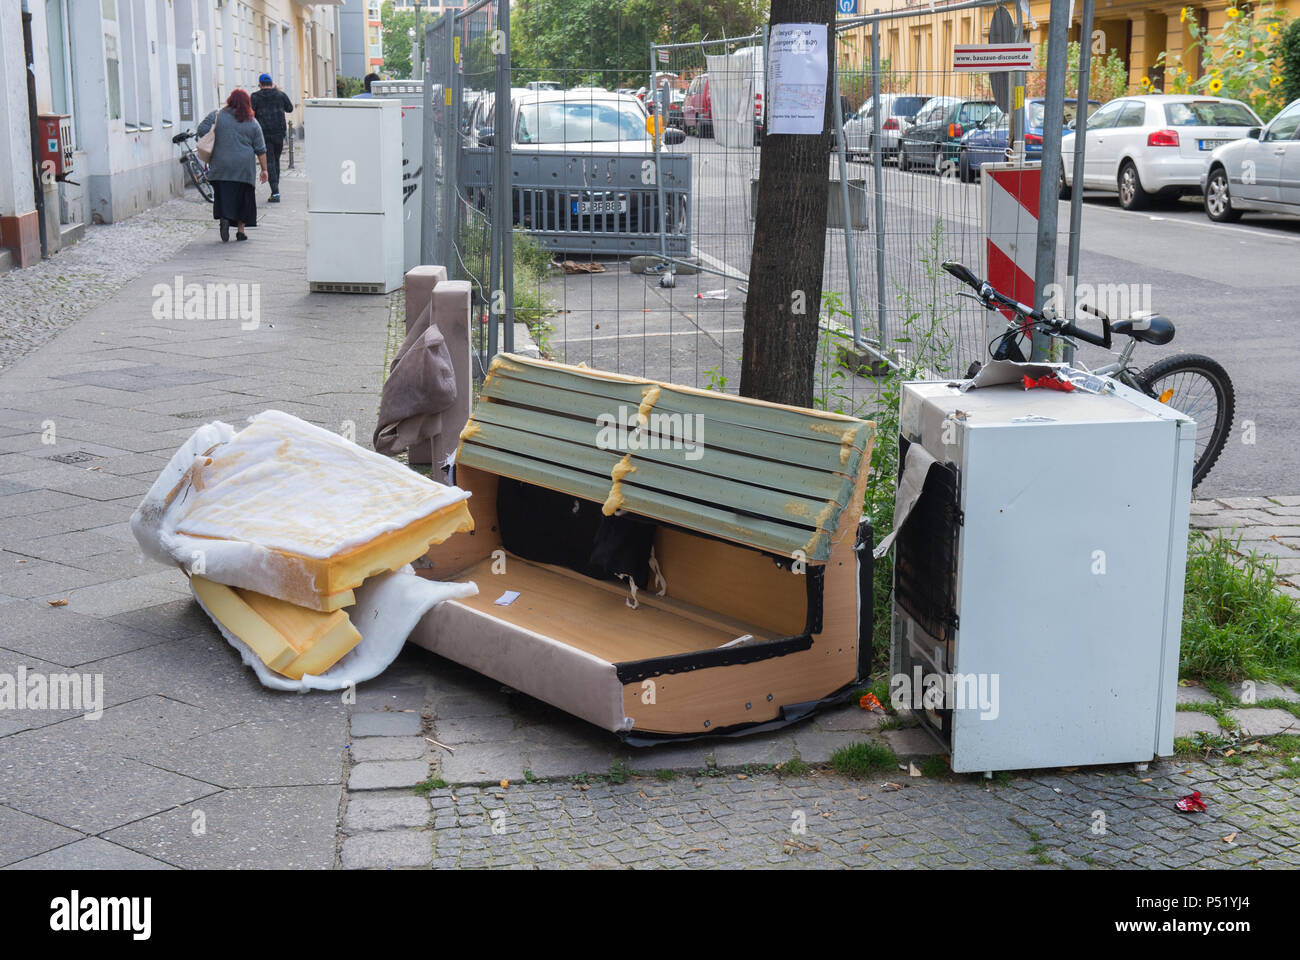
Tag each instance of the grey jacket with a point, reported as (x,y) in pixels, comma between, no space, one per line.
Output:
(234,154)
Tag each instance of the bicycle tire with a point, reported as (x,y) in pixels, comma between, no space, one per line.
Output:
(200,178)
(1186,370)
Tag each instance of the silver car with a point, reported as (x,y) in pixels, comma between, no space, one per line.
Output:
(1260,173)
(898,109)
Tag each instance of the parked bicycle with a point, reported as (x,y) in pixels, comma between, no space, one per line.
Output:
(1187,382)
(192,165)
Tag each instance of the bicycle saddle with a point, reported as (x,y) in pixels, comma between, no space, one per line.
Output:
(181,137)
(1146,327)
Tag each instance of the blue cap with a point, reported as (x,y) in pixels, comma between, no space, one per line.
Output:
(264,78)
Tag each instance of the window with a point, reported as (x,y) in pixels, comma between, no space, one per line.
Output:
(585,122)
(1134,115)
(1210,113)
(974,112)
(1106,115)
(113,64)
(1286,125)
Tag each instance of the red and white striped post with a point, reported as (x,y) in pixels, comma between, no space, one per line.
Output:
(1010,208)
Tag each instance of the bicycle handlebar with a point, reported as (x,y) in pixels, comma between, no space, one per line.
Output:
(1055,325)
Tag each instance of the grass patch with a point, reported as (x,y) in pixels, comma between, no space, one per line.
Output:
(794,767)
(933,766)
(1235,623)
(433,783)
(665,776)
(861,759)
(620,771)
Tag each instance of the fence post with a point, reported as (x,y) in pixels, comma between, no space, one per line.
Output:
(507,197)
(430,194)
(1058,32)
(1080,142)
(849,261)
(878,179)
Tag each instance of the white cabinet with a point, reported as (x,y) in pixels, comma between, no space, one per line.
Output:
(1039,579)
(354,195)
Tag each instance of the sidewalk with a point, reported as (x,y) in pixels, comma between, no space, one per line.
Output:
(194,765)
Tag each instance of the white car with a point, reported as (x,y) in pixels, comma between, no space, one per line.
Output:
(1260,172)
(898,109)
(590,121)
(1157,144)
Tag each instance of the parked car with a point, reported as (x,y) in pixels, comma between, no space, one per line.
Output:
(988,140)
(1155,145)
(484,116)
(933,140)
(676,98)
(543,85)
(898,109)
(697,110)
(1260,172)
(568,121)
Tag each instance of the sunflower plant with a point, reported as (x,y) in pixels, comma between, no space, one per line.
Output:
(1240,60)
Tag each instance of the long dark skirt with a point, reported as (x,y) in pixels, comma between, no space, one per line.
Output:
(235,201)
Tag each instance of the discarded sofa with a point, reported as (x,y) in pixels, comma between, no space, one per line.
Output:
(661,561)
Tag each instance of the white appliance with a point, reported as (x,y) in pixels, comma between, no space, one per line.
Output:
(410,93)
(1039,577)
(354,195)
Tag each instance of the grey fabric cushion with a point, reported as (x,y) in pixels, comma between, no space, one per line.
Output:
(421,385)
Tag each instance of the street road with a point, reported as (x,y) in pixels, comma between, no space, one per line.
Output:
(1231,290)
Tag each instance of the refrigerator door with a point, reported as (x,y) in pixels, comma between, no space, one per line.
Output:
(354,156)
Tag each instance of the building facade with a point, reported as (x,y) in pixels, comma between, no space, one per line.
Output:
(129,75)
(1138,30)
(361,49)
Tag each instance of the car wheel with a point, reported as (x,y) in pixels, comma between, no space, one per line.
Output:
(1131,194)
(1218,199)
(1062,188)
(963,167)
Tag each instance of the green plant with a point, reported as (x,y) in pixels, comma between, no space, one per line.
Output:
(1235,623)
(934,766)
(433,783)
(861,759)
(794,767)
(1107,74)
(349,86)
(665,775)
(1288,54)
(1242,60)
(715,380)
(620,771)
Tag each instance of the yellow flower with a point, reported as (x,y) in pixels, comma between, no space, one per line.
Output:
(1275,82)
(1146,82)
(1182,14)
(1215,85)
(1233,13)
(1272,29)
(1240,54)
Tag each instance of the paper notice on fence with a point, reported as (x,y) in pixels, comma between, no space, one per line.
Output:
(797,78)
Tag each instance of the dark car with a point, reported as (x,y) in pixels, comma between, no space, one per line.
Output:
(932,141)
(988,140)
(697,109)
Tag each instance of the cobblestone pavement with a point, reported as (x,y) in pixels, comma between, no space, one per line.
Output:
(38,302)
(1107,818)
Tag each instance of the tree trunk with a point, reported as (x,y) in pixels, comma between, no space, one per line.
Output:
(785,269)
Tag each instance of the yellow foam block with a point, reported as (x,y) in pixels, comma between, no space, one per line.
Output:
(289,639)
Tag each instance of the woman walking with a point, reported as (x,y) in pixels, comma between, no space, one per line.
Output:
(237,150)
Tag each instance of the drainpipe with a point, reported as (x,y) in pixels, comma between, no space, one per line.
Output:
(37,186)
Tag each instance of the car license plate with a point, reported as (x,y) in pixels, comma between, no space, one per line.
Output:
(599,206)
(1211,144)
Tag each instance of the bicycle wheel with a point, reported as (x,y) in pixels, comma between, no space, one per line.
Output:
(200,178)
(1199,387)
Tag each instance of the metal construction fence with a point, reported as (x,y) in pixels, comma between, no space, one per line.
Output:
(635,259)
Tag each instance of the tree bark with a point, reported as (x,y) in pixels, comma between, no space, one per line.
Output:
(785,270)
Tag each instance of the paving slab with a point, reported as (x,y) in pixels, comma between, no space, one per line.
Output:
(393,848)
(386,724)
(387,774)
(92,853)
(385,811)
(1188,723)
(1265,721)
(388,748)
(292,828)
(23,836)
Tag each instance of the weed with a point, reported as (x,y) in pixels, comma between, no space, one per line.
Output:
(433,783)
(794,767)
(934,766)
(620,771)
(861,759)
(665,775)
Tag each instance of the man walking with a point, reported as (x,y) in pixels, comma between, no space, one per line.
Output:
(270,104)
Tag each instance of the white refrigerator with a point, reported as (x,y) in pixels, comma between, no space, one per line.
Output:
(1039,577)
(355,237)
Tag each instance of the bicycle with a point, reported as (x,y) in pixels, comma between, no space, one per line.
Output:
(192,165)
(1189,383)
